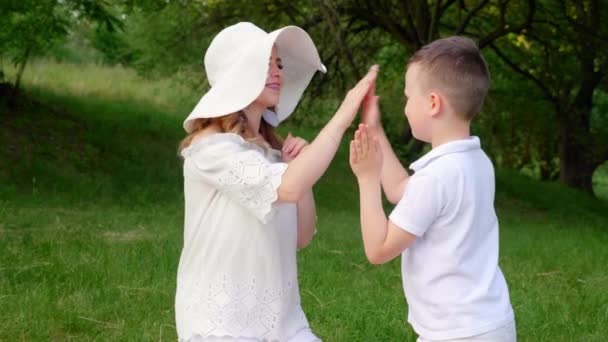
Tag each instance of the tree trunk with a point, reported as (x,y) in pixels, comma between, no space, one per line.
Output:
(576,168)
(577,161)
(22,64)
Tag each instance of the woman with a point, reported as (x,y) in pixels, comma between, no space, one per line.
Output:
(249,202)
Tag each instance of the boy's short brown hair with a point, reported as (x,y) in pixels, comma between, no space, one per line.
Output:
(455,66)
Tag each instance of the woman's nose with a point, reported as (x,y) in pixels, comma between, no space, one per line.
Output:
(274,70)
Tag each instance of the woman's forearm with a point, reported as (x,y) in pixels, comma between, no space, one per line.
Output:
(307,219)
(306,169)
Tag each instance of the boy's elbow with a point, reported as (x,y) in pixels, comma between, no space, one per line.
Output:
(393,199)
(392,196)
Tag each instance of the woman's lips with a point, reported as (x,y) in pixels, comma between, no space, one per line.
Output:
(274,86)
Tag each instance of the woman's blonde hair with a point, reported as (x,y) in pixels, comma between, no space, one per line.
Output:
(236,123)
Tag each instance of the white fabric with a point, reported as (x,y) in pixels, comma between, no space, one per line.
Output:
(452,282)
(236,64)
(505,333)
(237,275)
(304,335)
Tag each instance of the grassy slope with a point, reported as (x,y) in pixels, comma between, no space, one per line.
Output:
(91,219)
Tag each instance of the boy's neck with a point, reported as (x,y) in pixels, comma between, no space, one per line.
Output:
(450,131)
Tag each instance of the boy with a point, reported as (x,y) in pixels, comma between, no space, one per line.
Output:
(444,224)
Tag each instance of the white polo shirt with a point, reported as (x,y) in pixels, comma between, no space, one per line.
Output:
(452,282)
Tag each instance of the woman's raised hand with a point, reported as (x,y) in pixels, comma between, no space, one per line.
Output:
(349,107)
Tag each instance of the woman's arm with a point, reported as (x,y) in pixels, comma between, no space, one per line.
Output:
(306,169)
(306,210)
(307,219)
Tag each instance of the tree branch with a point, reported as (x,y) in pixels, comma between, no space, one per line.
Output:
(434,20)
(504,29)
(470,16)
(523,72)
(446,6)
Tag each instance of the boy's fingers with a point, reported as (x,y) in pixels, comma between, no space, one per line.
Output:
(364,140)
(353,152)
(375,100)
(358,149)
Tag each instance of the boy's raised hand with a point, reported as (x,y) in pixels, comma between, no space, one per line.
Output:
(370,113)
(365,155)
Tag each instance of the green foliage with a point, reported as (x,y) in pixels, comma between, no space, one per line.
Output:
(545,39)
(112,45)
(32,27)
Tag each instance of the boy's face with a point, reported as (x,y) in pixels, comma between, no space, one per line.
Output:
(417,104)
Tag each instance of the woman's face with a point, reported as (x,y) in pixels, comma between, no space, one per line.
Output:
(274,80)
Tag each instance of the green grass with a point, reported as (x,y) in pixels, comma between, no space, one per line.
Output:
(91,221)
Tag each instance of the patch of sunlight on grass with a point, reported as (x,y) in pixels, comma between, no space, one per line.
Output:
(110,83)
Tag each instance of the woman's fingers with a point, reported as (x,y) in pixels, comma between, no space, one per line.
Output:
(297,147)
(287,144)
(363,86)
(293,146)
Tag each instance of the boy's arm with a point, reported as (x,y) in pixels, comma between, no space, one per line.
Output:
(394,177)
(382,240)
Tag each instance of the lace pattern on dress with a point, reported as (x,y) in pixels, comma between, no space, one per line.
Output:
(253,182)
(229,309)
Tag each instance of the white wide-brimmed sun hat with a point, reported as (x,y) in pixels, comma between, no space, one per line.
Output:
(237,62)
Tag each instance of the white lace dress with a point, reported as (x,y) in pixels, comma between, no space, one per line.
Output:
(237,275)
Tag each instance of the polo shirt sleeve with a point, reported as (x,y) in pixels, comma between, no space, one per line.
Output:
(422,203)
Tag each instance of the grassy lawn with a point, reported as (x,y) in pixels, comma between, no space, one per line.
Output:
(91,221)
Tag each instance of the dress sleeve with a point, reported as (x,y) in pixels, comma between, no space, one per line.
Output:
(239,170)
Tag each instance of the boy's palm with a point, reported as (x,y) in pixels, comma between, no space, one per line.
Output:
(370,114)
(365,155)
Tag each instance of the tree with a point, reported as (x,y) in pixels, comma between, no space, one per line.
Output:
(416,23)
(30,27)
(565,55)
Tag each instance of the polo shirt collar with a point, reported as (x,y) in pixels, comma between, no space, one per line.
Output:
(471,143)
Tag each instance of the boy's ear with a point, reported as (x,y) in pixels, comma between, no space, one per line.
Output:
(435,104)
